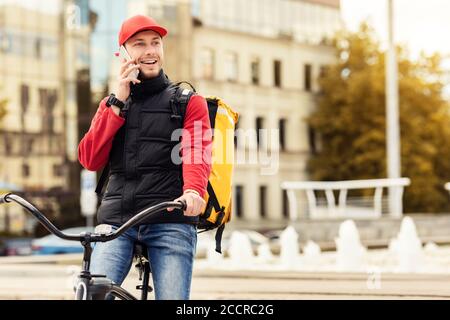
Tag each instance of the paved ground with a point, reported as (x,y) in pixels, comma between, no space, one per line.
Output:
(35,278)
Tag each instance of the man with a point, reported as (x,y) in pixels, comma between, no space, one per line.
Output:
(132,130)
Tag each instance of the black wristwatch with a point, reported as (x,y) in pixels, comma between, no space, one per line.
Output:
(113,101)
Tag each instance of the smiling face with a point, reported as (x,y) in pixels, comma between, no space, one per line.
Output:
(147,48)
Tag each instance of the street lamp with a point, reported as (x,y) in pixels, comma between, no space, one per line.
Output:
(392,118)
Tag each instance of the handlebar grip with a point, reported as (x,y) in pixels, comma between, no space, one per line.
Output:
(183,203)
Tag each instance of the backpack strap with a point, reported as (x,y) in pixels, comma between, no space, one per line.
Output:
(102,180)
(188,83)
(179,103)
(180,100)
(214,203)
(218,237)
(213,198)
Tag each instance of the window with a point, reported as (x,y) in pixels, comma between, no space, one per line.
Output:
(25,170)
(38,48)
(239,201)
(56,146)
(285,208)
(312,140)
(231,67)
(24,97)
(322,74)
(259,126)
(43,102)
(170,12)
(29,146)
(307,77)
(7,144)
(323,71)
(49,49)
(47,100)
(207,60)
(236,127)
(255,71)
(58,170)
(43,97)
(262,201)
(277,73)
(28,45)
(5,42)
(282,128)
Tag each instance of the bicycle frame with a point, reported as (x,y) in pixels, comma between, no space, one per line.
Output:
(90,286)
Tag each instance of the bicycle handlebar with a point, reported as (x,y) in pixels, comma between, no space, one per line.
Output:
(3,198)
(93,237)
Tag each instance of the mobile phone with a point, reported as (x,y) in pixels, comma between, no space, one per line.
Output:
(124,54)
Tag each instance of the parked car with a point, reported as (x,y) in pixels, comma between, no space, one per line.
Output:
(51,244)
(15,246)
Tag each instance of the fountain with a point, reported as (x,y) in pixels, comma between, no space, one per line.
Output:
(240,250)
(311,252)
(265,254)
(405,253)
(350,251)
(407,247)
(431,248)
(212,256)
(290,250)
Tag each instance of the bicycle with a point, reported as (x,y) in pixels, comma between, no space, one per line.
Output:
(93,286)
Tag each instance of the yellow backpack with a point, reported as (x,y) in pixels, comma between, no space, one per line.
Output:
(219,191)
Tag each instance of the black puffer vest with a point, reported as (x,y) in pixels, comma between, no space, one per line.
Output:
(142,172)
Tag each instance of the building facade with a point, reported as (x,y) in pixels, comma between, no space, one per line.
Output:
(263,58)
(44,55)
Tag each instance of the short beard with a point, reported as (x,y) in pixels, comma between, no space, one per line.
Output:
(142,76)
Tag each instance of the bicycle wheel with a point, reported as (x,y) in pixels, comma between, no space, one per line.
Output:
(81,291)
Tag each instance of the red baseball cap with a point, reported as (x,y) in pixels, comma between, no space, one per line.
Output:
(136,24)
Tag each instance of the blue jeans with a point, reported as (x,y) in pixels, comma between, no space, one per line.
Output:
(171,251)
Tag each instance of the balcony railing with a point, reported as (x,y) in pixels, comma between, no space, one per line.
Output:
(342,209)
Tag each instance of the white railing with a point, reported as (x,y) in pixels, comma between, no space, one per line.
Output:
(447,186)
(342,209)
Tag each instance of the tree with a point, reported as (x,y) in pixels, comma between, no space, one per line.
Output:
(351,120)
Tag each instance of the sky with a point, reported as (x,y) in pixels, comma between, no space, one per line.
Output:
(47,6)
(420,24)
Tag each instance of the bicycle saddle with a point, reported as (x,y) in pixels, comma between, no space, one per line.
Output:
(140,250)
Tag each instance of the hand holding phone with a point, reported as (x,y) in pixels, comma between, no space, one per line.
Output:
(129,72)
(124,54)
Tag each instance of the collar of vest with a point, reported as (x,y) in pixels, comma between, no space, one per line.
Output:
(150,86)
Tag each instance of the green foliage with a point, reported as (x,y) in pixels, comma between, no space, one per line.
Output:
(350,121)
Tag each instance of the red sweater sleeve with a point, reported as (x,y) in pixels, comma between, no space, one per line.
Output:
(196,145)
(94,148)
